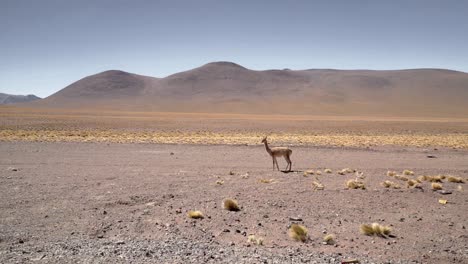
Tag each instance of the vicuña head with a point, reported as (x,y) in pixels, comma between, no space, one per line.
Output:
(264,139)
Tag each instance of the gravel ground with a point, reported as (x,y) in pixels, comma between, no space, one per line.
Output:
(127,203)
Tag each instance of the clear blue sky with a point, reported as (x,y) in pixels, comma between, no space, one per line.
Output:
(46,45)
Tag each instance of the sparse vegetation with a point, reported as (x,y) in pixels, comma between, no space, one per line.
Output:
(267,180)
(411,183)
(317,185)
(355,184)
(436,186)
(375,229)
(389,184)
(298,232)
(329,239)
(455,179)
(255,240)
(231,205)
(219,182)
(401,178)
(391,173)
(195,214)
(408,172)
(327,171)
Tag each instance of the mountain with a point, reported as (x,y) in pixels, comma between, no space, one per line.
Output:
(226,87)
(11,99)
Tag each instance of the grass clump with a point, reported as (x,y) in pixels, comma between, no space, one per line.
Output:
(389,184)
(219,182)
(455,179)
(267,180)
(255,240)
(327,171)
(329,239)
(355,184)
(391,173)
(411,183)
(436,186)
(231,205)
(401,178)
(408,172)
(195,214)
(298,232)
(317,186)
(375,229)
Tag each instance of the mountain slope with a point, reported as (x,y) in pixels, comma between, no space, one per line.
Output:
(12,99)
(231,88)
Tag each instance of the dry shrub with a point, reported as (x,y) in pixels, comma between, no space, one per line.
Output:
(436,186)
(267,180)
(318,172)
(375,229)
(329,239)
(255,240)
(317,185)
(455,179)
(219,182)
(401,178)
(346,171)
(231,205)
(422,178)
(327,171)
(355,184)
(437,178)
(411,183)
(298,232)
(408,172)
(195,215)
(311,172)
(391,173)
(389,184)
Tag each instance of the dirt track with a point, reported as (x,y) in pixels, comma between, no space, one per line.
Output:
(95,202)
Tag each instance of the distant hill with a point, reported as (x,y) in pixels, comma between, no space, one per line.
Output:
(225,87)
(11,99)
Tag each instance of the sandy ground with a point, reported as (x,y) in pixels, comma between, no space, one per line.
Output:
(128,203)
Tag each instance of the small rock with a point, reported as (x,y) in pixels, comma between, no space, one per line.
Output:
(444,192)
(226,230)
(295,219)
(120,242)
(172,153)
(12,169)
(431,156)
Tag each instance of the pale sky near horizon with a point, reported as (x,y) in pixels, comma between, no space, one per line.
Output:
(46,45)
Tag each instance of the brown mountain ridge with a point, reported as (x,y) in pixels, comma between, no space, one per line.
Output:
(226,87)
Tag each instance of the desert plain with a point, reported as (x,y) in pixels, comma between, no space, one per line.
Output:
(90,186)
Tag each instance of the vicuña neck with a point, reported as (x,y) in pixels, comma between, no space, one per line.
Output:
(267,147)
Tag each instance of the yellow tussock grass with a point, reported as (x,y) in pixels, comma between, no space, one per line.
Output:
(298,232)
(389,184)
(455,179)
(195,215)
(329,239)
(355,184)
(375,229)
(231,205)
(317,185)
(436,186)
(408,172)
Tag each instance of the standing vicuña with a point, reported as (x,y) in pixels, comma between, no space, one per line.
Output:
(279,152)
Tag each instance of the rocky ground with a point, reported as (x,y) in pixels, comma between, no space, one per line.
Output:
(128,203)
